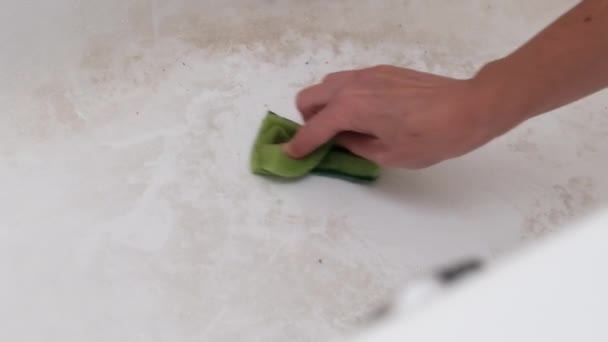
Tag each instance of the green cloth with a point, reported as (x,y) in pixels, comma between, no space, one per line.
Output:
(268,158)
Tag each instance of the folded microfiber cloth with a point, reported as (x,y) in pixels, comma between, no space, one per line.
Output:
(268,158)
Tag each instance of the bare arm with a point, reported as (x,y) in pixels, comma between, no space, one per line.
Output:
(404,118)
(564,63)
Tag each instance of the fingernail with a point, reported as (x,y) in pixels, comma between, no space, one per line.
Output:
(287,149)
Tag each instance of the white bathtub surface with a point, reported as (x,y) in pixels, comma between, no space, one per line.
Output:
(127,212)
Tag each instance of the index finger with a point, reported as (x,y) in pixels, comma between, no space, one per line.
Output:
(313,99)
(319,130)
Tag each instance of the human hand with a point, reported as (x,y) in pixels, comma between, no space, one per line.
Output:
(398,117)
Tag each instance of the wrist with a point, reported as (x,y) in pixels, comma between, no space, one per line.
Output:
(503,100)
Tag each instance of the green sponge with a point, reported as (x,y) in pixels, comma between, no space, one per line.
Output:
(267,157)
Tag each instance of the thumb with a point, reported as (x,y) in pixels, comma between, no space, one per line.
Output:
(363,145)
(320,129)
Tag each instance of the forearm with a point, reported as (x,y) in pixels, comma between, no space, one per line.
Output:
(565,62)
(404,118)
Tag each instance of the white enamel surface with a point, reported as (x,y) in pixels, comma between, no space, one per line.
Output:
(555,291)
(127,211)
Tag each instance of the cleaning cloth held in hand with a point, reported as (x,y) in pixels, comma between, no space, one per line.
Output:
(268,158)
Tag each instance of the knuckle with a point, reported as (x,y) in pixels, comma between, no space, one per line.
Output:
(301,99)
(343,99)
(364,75)
(334,76)
(372,74)
(382,67)
(328,78)
(348,106)
(367,75)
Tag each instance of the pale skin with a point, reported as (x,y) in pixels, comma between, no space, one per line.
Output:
(410,119)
